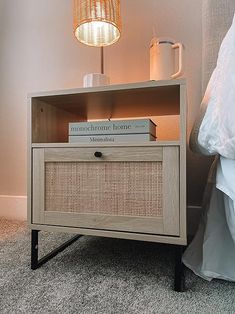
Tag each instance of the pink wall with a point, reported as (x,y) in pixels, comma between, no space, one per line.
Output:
(39,52)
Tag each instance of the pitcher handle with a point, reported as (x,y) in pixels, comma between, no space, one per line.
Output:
(180,71)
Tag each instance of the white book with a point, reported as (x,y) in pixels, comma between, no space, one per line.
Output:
(111,138)
(134,126)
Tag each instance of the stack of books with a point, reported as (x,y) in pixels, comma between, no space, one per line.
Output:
(114,131)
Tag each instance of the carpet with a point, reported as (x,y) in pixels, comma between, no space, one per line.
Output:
(100,275)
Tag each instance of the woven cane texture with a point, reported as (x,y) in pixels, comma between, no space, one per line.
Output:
(97,22)
(111,188)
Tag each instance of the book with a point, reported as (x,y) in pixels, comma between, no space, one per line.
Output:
(134,126)
(111,138)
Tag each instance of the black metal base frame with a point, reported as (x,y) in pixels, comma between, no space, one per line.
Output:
(35,262)
(179,281)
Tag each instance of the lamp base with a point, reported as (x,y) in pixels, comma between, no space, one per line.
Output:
(95,79)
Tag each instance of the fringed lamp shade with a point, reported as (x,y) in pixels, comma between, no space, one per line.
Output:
(97,22)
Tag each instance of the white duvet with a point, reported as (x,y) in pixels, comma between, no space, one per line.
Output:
(212,252)
(217,131)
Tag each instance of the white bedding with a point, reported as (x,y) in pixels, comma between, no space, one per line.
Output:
(217,131)
(212,252)
(225,182)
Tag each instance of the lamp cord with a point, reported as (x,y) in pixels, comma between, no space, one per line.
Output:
(102,60)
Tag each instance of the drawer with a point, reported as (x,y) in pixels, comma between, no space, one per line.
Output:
(129,189)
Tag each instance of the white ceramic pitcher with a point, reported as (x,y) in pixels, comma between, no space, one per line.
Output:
(162,59)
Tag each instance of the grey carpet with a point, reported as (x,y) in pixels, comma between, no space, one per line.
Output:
(100,275)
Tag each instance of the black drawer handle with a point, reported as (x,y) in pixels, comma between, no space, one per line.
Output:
(98,154)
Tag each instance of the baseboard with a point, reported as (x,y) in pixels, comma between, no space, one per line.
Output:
(13,207)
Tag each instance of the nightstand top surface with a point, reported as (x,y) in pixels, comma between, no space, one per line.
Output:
(109,88)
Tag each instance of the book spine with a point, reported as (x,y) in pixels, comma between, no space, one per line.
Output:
(113,127)
(111,138)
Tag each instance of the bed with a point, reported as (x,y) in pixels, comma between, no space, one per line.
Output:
(211,254)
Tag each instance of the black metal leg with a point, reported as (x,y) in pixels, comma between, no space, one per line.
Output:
(179,284)
(35,262)
(34,249)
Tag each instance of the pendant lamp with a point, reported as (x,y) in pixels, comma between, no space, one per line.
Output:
(97,22)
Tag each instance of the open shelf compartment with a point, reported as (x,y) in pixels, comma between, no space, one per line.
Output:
(51,112)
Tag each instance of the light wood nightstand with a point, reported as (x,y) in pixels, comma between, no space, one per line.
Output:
(132,190)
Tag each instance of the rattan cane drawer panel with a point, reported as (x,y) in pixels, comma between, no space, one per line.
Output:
(112,188)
